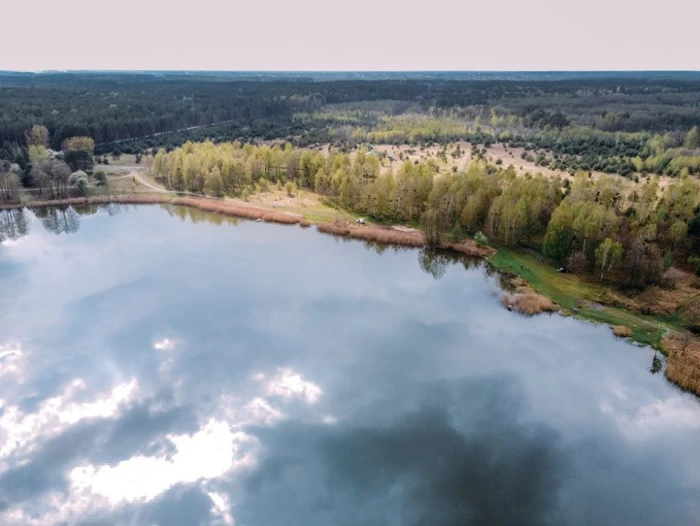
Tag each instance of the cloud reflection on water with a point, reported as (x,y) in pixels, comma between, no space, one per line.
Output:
(330,386)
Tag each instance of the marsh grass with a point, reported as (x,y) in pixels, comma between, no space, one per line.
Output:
(239,210)
(407,237)
(373,233)
(469,248)
(528,302)
(683,365)
(622,331)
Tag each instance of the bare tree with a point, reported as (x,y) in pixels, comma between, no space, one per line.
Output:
(9,182)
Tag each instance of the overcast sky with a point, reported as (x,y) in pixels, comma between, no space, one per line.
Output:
(357,35)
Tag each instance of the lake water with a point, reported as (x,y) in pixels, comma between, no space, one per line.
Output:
(160,366)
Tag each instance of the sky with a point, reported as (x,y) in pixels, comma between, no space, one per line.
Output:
(387,35)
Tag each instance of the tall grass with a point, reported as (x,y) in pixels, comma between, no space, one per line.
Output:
(403,237)
(238,210)
(622,331)
(526,301)
(469,248)
(373,233)
(683,365)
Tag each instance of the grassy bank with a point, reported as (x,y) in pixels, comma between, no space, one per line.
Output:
(580,297)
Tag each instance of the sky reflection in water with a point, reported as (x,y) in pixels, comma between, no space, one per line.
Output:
(163,366)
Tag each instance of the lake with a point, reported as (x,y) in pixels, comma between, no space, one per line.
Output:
(162,366)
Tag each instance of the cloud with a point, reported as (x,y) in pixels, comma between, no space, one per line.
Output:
(221,507)
(289,384)
(12,359)
(164,345)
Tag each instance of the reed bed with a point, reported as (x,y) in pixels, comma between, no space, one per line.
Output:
(239,210)
(373,233)
(683,364)
(469,248)
(622,331)
(528,302)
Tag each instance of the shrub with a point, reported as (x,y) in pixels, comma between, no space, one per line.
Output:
(100,178)
(481,239)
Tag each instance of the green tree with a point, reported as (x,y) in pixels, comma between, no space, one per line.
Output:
(79,180)
(558,241)
(214,184)
(677,233)
(608,255)
(38,136)
(100,178)
(289,188)
(692,139)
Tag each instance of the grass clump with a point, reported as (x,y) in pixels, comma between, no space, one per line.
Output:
(622,331)
(528,302)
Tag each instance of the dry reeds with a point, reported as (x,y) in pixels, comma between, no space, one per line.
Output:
(238,210)
(622,331)
(407,237)
(683,364)
(528,302)
(469,248)
(375,234)
(518,282)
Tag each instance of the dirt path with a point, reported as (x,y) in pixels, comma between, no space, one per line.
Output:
(134,174)
(119,141)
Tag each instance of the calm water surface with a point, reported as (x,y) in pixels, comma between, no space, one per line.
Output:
(164,368)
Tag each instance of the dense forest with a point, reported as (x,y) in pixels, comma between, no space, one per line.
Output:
(624,123)
(630,234)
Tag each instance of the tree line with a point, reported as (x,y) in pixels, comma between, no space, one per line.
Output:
(626,233)
(113,107)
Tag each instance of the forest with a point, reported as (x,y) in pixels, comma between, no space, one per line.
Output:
(625,123)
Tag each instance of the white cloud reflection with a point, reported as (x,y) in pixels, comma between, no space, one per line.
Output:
(20,433)
(219,448)
(671,415)
(209,453)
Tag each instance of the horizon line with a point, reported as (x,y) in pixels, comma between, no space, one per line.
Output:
(124,70)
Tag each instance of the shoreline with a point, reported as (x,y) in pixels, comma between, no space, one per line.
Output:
(408,237)
(683,360)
